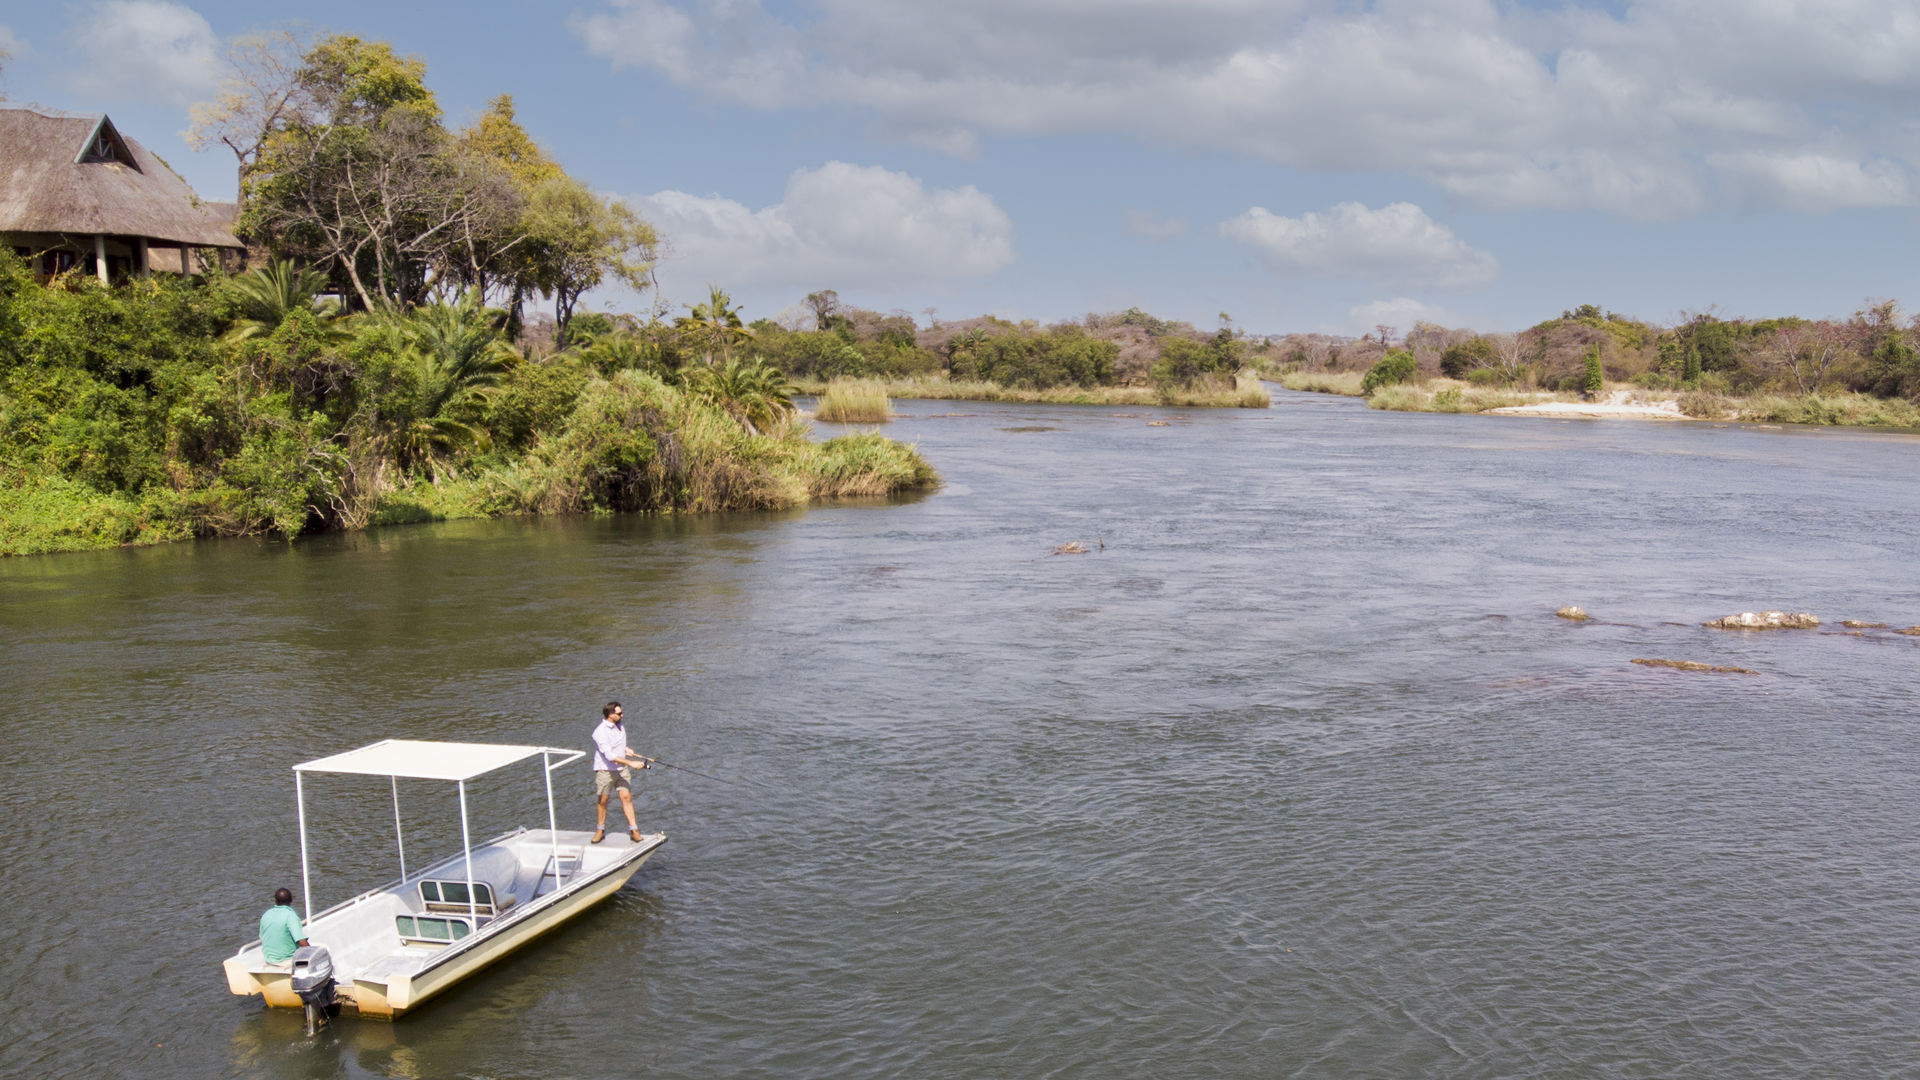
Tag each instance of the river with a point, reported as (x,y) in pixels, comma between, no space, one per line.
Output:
(1294,773)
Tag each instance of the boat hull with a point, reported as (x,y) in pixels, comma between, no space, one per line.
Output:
(391,998)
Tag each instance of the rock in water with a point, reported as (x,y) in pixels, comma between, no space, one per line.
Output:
(1695,665)
(1573,613)
(1766,620)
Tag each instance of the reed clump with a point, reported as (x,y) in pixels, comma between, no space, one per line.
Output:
(1243,391)
(1344,383)
(855,401)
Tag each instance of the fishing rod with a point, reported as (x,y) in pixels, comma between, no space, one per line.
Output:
(698,773)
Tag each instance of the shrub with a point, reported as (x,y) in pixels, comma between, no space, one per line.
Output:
(1462,360)
(1594,378)
(1391,369)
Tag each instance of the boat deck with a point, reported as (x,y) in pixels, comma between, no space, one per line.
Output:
(400,929)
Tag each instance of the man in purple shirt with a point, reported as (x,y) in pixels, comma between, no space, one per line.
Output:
(613,766)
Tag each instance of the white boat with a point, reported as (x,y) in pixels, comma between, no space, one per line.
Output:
(393,947)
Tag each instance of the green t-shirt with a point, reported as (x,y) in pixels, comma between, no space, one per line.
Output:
(279,930)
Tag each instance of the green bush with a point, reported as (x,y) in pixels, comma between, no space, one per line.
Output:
(1593,378)
(1395,367)
(1462,360)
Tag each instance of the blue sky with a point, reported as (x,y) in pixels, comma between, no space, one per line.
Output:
(1312,165)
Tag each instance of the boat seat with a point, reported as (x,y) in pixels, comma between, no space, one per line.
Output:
(440,895)
(431,929)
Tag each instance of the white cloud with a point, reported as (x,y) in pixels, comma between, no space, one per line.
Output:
(145,50)
(1154,227)
(1397,243)
(1815,181)
(1646,111)
(839,226)
(1401,313)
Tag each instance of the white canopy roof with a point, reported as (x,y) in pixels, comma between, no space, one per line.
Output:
(429,760)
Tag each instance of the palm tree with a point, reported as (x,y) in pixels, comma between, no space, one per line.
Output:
(713,327)
(455,354)
(265,297)
(753,392)
(965,343)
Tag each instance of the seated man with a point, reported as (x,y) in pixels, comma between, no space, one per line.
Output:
(280,931)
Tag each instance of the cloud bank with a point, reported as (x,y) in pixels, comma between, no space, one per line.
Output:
(839,226)
(1397,243)
(1654,110)
(146,50)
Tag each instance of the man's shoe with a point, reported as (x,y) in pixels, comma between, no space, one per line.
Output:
(633,835)
(598,835)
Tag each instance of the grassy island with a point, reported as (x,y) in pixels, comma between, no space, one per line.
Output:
(1864,371)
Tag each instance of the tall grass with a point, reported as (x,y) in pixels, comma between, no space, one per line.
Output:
(939,388)
(1345,383)
(854,401)
(1847,410)
(863,464)
(1447,396)
(1244,392)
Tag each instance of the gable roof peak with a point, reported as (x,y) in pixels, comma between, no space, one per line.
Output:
(104,143)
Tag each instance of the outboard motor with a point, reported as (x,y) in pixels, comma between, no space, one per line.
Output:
(313,981)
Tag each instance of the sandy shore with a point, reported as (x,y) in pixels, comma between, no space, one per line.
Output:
(1615,406)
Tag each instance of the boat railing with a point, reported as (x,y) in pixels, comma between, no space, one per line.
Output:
(531,908)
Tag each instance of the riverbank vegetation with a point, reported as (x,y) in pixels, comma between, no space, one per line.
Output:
(1860,371)
(1128,358)
(161,409)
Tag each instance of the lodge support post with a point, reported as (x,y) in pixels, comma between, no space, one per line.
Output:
(100,257)
(186,258)
(140,257)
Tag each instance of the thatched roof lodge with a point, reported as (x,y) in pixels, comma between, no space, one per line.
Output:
(74,192)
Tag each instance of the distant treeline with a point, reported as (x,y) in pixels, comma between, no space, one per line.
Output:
(1875,352)
(1131,348)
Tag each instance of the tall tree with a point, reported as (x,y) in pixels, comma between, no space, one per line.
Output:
(261,94)
(578,240)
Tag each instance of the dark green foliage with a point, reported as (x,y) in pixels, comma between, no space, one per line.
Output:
(1395,367)
(1894,368)
(1593,378)
(1062,356)
(535,397)
(1458,361)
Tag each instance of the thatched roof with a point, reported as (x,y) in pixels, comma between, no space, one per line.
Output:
(78,174)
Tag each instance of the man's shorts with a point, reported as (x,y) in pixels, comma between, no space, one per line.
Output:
(604,782)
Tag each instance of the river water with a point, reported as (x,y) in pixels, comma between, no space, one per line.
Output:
(1294,774)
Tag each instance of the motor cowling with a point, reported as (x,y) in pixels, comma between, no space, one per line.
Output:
(313,981)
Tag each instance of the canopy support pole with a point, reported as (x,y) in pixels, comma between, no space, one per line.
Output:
(553,826)
(473,909)
(306,884)
(399,837)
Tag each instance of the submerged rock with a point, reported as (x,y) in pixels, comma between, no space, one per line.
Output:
(1766,620)
(1911,631)
(1574,613)
(1695,665)
(1856,624)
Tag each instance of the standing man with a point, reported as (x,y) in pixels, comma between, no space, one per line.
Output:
(280,930)
(613,766)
